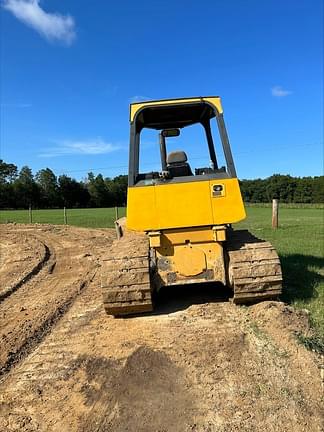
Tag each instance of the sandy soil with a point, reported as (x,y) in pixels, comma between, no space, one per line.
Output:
(198,363)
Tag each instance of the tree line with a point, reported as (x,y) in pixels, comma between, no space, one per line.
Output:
(20,189)
(286,188)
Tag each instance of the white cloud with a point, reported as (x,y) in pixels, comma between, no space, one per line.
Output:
(52,26)
(278,91)
(139,98)
(88,147)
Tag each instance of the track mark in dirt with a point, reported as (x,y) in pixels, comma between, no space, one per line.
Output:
(19,262)
(39,333)
(33,272)
(63,346)
(31,311)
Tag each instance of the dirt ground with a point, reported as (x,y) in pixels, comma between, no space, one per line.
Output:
(198,363)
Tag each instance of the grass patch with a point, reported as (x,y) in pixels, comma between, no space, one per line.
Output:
(313,343)
(262,336)
(257,331)
(90,217)
(299,242)
(288,205)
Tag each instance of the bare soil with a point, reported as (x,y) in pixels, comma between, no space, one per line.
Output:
(198,363)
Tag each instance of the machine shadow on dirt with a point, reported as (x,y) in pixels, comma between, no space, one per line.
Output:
(169,300)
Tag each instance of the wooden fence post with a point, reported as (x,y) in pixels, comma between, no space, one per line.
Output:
(118,230)
(65,216)
(30,214)
(275,211)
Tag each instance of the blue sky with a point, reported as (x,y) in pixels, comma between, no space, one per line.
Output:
(70,69)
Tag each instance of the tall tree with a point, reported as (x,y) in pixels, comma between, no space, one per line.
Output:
(8,172)
(99,193)
(118,190)
(25,188)
(73,193)
(47,182)
(318,189)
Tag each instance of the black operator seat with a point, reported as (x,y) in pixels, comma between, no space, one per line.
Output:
(177,164)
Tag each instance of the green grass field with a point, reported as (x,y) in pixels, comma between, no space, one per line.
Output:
(92,218)
(299,242)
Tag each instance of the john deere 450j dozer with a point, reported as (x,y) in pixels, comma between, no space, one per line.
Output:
(178,228)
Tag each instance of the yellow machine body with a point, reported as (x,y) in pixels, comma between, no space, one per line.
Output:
(185,224)
(189,255)
(183,205)
(186,221)
(179,219)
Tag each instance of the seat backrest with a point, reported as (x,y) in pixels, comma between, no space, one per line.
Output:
(177,164)
(176,157)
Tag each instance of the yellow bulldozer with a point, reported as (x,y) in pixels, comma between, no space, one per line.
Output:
(178,228)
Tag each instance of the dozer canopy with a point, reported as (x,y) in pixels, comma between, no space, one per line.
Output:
(175,113)
(170,116)
(190,108)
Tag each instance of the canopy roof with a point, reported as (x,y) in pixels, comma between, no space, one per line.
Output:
(174,113)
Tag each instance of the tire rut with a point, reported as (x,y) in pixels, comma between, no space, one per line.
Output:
(37,302)
(30,274)
(42,331)
(20,260)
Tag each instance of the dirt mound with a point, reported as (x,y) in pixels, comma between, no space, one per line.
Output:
(281,316)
